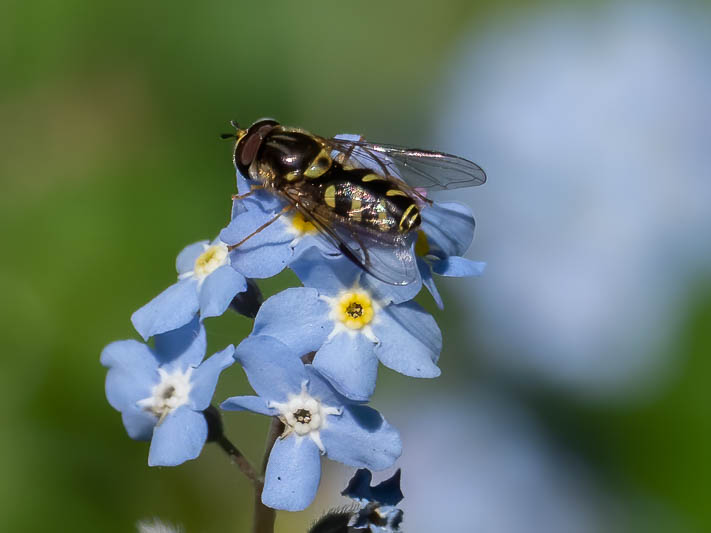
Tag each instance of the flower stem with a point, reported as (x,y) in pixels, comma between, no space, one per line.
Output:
(264,516)
(240,460)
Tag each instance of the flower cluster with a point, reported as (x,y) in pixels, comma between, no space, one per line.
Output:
(312,357)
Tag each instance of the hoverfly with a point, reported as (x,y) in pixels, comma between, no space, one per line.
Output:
(364,198)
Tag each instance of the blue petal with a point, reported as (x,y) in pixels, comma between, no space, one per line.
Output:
(204,378)
(313,241)
(133,371)
(458,267)
(255,404)
(449,227)
(265,253)
(320,388)
(179,438)
(172,308)
(297,317)
(349,364)
(138,422)
(293,474)
(244,185)
(328,275)
(386,492)
(182,347)
(186,259)
(386,292)
(410,340)
(264,201)
(274,371)
(218,289)
(428,281)
(361,437)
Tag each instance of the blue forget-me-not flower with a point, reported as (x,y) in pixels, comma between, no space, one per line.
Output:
(317,420)
(267,252)
(445,235)
(207,283)
(341,315)
(162,391)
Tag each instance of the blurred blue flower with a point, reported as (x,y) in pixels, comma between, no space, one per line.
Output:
(317,420)
(378,510)
(446,233)
(207,282)
(601,187)
(161,392)
(342,315)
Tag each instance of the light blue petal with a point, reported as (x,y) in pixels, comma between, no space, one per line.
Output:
(262,200)
(410,341)
(297,317)
(274,370)
(243,184)
(349,364)
(428,281)
(293,474)
(133,371)
(386,292)
(247,222)
(329,275)
(218,289)
(314,241)
(138,422)
(204,378)
(172,308)
(264,254)
(182,347)
(361,437)
(186,259)
(320,388)
(178,438)
(449,227)
(458,267)
(248,403)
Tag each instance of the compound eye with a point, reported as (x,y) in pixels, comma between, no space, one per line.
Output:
(249,150)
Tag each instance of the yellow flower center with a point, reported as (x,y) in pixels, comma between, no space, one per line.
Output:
(210,260)
(422,247)
(355,309)
(301,225)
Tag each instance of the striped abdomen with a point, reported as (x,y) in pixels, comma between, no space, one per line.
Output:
(360,197)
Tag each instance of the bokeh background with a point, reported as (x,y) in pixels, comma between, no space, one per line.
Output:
(575,387)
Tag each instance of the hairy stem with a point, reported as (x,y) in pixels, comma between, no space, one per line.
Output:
(264,516)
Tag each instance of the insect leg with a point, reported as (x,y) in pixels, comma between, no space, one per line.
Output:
(285,210)
(247,194)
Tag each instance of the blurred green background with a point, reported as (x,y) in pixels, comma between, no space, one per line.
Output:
(111,162)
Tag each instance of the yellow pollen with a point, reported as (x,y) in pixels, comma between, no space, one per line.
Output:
(301,225)
(355,310)
(210,260)
(422,247)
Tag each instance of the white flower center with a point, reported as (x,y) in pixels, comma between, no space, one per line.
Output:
(210,260)
(304,415)
(171,392)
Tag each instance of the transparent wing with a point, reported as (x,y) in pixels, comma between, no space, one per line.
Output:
(434,171)
(391,260)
